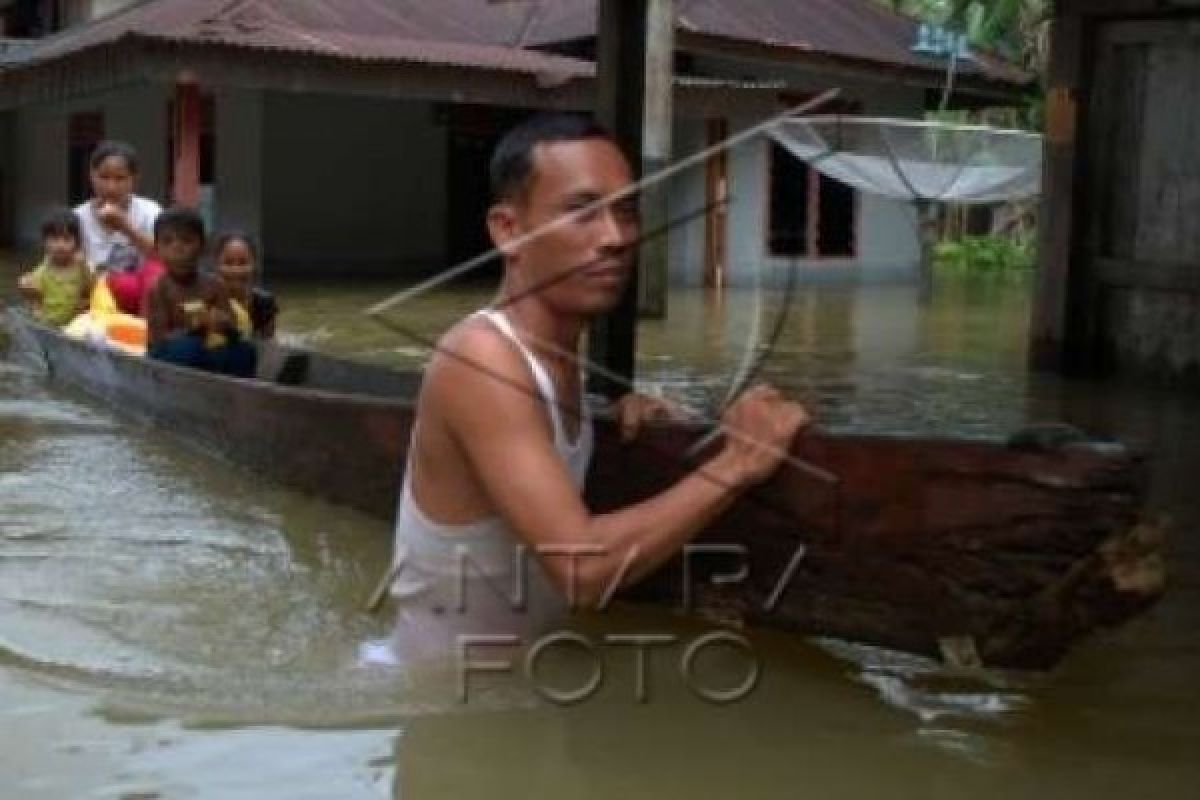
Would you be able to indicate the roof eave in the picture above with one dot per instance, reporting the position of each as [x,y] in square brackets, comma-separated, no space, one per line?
[854,67]
[135,57]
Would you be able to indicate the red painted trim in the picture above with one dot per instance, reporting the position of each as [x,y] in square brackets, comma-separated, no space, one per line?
[186,169]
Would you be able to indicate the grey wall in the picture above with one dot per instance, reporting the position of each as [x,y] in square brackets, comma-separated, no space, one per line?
[238,193]
[687,195]
[352,186]
[137,115]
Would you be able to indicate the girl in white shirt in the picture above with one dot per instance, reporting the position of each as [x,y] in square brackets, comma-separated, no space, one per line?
[118,225]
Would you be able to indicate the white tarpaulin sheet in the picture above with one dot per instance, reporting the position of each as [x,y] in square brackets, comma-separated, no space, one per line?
[918,160]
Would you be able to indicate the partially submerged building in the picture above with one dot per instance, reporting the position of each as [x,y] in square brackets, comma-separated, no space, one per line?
[352,136]
[1119,278]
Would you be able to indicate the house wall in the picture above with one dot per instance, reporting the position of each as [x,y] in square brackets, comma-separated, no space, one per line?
[238,193]
[687,194]
[39,146]
[887,242]
[352,185]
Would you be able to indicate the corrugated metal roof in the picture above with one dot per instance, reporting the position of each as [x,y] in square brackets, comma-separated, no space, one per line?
[367,30]
[489,34]
[857,29]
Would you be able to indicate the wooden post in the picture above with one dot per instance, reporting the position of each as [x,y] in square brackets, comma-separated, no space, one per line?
[927,227]
[716,187]
[185,180]
[657,130]
[620,104]
[1055,335]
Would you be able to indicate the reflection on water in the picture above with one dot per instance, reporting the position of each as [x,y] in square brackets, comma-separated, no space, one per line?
[171,628]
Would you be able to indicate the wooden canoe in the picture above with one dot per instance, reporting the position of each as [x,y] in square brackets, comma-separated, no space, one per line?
[989,553]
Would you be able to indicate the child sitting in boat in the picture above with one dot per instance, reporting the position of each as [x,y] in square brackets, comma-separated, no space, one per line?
[254,308]
[58,288]
[188,315]
[118,227]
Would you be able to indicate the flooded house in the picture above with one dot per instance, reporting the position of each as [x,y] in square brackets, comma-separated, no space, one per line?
[353,136]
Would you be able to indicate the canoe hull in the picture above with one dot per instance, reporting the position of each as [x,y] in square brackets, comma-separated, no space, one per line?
[971,551]
[345,448]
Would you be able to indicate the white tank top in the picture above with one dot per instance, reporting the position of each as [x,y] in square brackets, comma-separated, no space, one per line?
[430,556]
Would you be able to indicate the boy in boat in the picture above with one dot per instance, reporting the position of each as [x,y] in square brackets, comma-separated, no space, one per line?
[254,308]
[188,315]
[502,438]
[58,288]
[118,227]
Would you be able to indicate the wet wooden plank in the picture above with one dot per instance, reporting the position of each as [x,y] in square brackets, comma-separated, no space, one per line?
[1159,276]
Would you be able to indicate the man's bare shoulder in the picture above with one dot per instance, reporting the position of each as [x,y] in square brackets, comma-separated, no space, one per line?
[475,360]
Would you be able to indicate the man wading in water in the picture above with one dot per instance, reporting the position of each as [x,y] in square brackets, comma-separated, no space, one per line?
[503,435]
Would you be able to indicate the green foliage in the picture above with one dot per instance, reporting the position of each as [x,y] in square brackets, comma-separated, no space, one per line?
[986,254]
[1017,30]
[1013,28]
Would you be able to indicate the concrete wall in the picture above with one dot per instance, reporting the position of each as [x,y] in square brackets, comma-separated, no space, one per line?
[238,190]
[137,115]
[687,195]
[887,244]
[352,186]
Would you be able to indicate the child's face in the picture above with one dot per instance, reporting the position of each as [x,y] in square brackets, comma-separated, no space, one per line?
[112,180]
[179,251]
[61,248]
[235,265]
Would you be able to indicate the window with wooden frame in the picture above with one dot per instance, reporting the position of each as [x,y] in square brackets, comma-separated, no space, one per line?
[809,215]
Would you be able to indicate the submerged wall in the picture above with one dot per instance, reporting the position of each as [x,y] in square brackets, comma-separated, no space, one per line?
[352,186]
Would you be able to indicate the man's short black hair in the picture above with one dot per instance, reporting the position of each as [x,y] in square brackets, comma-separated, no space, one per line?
[512,161]
[62,222]
[111,148]
[185,220]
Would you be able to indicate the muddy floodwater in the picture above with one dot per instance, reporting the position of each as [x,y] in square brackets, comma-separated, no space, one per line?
[171,627]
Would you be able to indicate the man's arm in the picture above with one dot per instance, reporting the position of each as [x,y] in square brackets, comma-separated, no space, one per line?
[497,418]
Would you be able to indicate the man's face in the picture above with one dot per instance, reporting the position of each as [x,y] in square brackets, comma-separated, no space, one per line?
[179,251]
[582,264]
